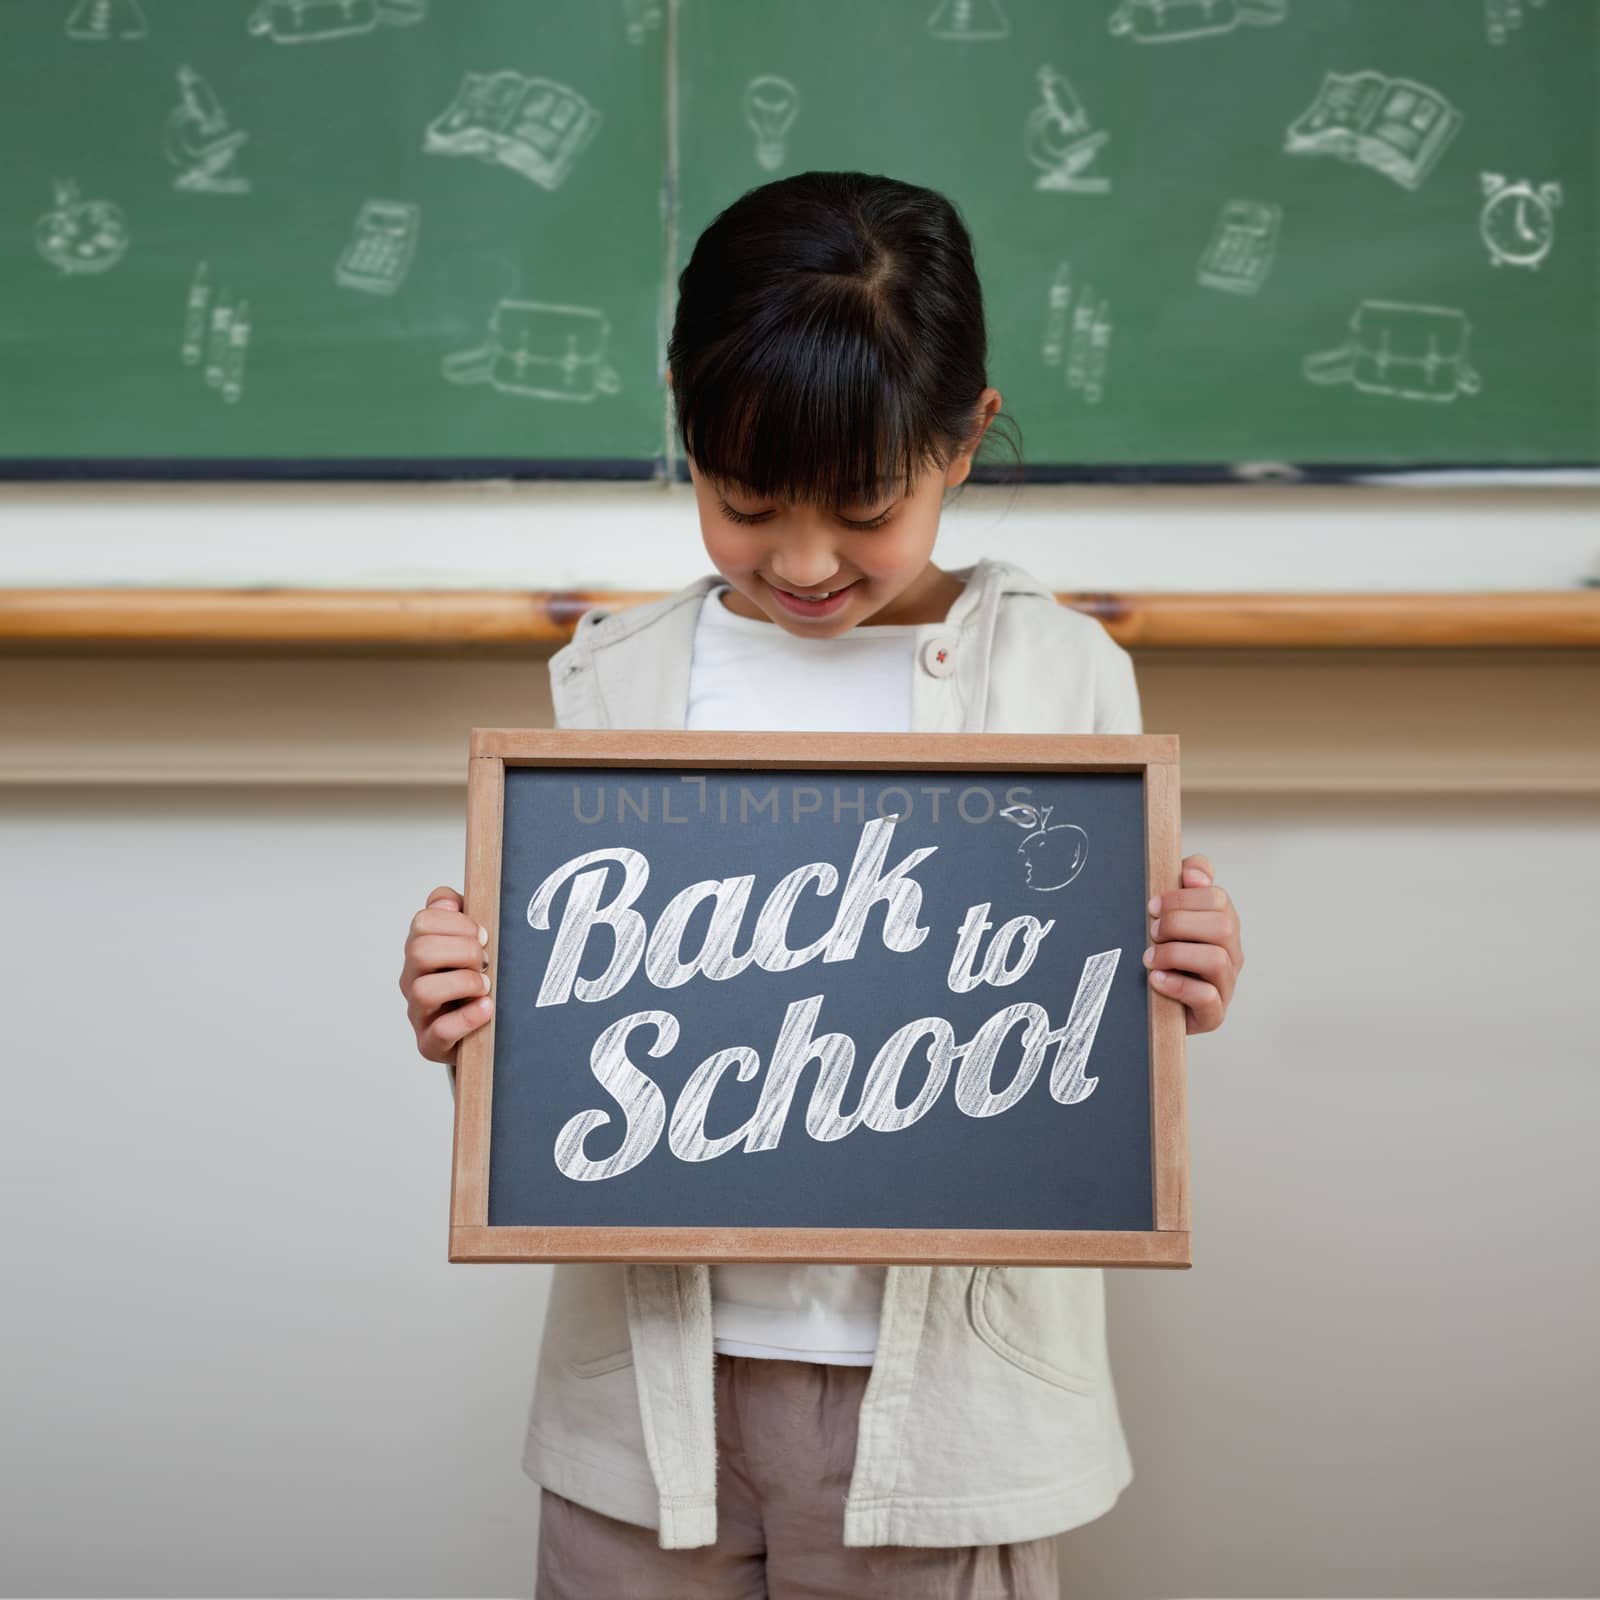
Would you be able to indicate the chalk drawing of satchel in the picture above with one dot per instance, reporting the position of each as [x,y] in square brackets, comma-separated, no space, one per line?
[312,21]
[545,352]
[1163,21]
[1410,352]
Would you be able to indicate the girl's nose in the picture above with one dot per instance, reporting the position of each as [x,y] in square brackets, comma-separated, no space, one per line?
[804,567]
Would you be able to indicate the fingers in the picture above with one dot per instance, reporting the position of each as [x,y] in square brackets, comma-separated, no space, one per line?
[434,990]
[1200,927]
[1208,898]
[1204,1006]
[444,975]
[1204,916]
[1207,961]
[443,919]
[433,952]
[1194,953]
[438,1041]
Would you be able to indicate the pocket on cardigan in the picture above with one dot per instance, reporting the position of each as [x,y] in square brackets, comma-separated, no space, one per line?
[594,1366]
[1018,1320]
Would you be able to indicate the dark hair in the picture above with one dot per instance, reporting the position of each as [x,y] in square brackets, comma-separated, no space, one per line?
[829,341]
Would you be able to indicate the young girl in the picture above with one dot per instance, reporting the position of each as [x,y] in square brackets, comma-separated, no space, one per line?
[794,1430]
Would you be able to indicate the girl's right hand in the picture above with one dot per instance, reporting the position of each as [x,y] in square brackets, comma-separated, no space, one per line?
[445,977]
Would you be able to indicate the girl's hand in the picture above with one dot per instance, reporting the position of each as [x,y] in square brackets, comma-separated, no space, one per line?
[445,977]
[1194,953]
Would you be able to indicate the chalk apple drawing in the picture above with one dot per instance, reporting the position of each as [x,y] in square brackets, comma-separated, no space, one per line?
[1053,856]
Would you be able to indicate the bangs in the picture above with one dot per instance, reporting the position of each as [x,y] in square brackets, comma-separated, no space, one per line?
[810,405]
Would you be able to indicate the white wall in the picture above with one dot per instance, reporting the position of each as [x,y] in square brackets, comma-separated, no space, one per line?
[236,1361]
[645,536]
[233,1357]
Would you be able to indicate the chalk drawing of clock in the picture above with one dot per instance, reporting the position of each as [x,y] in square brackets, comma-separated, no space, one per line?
[1518,223]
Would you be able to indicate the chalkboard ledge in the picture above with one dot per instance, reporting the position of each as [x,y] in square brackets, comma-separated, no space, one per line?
[536,622]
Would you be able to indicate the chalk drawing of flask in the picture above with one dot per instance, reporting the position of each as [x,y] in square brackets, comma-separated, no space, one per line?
[545,352]
[107,19]
[967,21]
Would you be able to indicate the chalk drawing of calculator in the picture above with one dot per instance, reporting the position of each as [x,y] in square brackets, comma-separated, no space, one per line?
[381,246]
[1240,253]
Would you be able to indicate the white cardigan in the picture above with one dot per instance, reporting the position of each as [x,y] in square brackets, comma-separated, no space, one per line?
[990,1415]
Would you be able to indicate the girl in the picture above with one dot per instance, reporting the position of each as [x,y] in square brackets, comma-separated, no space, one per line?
[794,1430]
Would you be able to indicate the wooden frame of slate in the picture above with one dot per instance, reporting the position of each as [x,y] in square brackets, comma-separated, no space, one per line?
[1094,1175]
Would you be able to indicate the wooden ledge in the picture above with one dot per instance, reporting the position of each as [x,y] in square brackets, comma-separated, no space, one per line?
[536,622]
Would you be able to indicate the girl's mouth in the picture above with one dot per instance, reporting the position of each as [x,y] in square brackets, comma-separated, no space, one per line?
[799,605]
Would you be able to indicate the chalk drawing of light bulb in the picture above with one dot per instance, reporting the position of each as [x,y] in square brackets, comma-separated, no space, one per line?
[770,106]
[1051,856]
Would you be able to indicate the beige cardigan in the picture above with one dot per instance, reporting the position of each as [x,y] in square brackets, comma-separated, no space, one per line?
[990,1414]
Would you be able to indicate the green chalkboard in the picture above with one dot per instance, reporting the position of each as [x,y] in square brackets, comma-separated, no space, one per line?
[397,237]
[1168,281]
[440,222]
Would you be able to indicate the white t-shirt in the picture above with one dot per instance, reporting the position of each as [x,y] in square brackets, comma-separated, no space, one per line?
[750,674]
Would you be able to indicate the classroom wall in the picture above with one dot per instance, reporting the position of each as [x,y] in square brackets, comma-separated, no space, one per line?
[643,535]
[234,1358]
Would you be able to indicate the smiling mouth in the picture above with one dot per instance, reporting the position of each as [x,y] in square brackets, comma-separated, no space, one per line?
[820,594]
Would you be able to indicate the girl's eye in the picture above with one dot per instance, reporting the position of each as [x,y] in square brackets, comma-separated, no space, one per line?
[749,518]
[746,517]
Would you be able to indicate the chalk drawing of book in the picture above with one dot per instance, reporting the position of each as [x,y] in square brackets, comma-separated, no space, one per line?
[1393,125]
[1059,140]
[1165,21]
[98,20]
[1407,351]
[81,237]
[532,125]
[546,352]
[313,21]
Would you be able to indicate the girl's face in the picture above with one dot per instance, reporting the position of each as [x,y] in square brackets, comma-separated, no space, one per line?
[875,561]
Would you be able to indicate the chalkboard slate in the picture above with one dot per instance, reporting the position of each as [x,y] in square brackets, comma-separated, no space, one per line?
[903,1003]
[414,238]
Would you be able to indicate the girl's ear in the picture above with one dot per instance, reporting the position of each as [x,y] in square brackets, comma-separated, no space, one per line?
[988,409]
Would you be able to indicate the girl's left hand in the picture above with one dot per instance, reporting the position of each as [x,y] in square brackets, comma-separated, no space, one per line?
[1194,953]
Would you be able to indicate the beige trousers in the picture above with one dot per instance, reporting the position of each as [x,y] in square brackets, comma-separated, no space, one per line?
[786,1443]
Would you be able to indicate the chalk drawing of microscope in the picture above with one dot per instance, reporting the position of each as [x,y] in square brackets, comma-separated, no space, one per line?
[199,142]
[1059,140]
